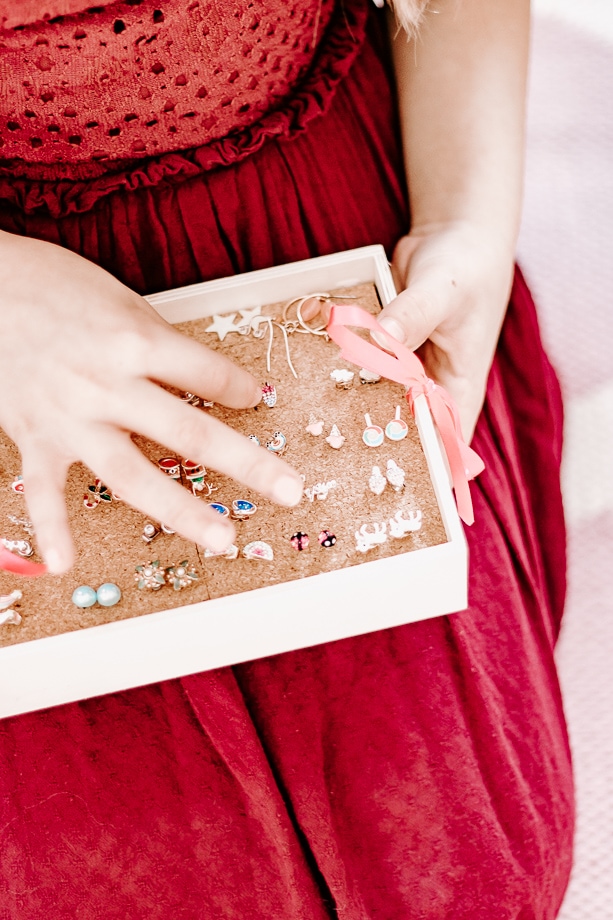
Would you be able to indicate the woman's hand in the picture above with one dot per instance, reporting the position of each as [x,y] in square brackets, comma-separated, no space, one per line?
[80,354]
[455,282]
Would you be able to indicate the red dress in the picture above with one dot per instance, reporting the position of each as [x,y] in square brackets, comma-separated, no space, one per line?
[418,772]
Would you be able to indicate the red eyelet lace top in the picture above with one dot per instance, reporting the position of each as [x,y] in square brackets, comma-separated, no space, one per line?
[134,79]
[131,92]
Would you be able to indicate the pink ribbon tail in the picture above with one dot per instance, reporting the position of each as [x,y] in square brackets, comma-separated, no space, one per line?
[404,367]
[9,562]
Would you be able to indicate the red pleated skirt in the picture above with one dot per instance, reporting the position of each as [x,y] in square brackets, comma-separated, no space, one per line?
[417,772]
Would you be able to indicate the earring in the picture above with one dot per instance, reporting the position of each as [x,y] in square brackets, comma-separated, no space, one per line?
[7,599]
[320,490]
[366,539]
[326,538]
[98,493]
[243,509]
[372,434]
[315,426]
[396,429]
[149,576]
[335,439]
[21,547]
[367,376]
[401,526]
[222,324]
[170,466]
[181,575]
[395,476]
[219,508]
[269,395]
[230,553]
[258,550]
[195,474]
[300,540]
[277,444]
[10,617]
[107,595]
[377,481]
[342,379]
[192,400]
[26,523]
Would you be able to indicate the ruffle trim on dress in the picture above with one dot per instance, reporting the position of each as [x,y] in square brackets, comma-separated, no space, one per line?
[59,197]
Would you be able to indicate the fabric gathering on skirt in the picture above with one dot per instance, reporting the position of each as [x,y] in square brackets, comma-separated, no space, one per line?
[418,772]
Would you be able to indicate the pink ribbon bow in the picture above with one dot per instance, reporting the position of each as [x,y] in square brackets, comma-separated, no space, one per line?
[404,367]
[9,562]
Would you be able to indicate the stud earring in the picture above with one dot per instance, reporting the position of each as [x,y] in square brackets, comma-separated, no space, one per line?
[243,509]
[230,553]
[219,508]
[300,540]
[335,439]
[107,595]
[195,473]
[395,476]
[222,324]
[180,576]
[326,538]
[192,400]
[258,549]
[98,493]
[342,379]
[372,434]
[7,599]
[400,526]
[26,523]
[377,481]
[149,577]
[396,429]
[366,539]
[367,376]
[10,617]
[315,426]
[21,547]
[277,444]
[269,395]
[170,466]
[320,490]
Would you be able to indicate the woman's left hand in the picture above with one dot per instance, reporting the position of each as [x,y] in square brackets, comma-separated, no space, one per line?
[455,282]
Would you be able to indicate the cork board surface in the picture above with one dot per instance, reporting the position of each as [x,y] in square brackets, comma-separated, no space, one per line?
[109,538]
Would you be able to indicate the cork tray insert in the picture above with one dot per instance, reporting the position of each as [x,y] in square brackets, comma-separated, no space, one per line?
[109,538]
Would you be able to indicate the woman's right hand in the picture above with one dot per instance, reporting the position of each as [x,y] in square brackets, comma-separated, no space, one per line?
[80,355]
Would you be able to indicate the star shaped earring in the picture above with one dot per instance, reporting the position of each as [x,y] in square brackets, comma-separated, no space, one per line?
[223,324]
[249,320]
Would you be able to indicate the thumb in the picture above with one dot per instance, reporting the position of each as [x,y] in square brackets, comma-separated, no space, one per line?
[414,314]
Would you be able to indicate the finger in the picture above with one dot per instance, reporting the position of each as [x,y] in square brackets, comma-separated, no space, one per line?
[426,299]
[183,362]
[121,466]
[415,313]
[162,417]
[44,480]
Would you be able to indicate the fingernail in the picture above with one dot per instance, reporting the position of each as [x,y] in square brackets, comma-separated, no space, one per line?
[393,327]
[256,398]
[218,537]
[287,490]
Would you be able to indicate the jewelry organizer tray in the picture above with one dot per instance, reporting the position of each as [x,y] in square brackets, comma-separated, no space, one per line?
[243,609]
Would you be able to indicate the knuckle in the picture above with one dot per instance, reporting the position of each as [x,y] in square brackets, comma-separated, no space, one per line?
[190,431]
